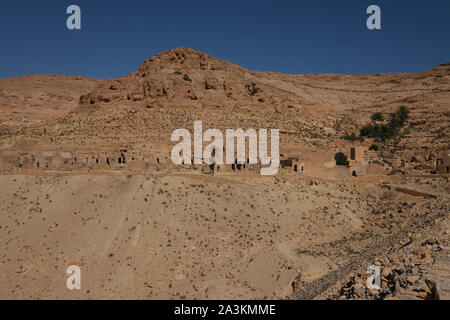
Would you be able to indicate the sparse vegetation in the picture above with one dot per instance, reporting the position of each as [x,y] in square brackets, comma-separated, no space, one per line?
[378,131]
[377,116]
[180,231]
[253,89]
[341,159]
[353,137]
[394,171]
[187,78]
[397,120]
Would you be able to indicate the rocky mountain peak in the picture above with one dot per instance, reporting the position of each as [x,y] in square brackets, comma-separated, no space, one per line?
[185,59]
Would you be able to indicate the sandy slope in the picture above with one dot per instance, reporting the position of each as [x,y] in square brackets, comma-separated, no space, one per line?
[184,236]
[165,234]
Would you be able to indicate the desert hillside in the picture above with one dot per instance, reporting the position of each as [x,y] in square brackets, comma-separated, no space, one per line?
[87,179]
[139,111]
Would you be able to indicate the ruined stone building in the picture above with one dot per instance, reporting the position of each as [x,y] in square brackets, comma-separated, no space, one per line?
[357,163]
[319,163]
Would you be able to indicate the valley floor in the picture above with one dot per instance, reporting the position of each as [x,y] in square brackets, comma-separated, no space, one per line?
[179,236]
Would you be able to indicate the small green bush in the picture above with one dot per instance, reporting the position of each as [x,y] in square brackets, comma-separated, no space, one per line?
[398,118]
[377,116]
[374,147]
[379,131]
[341,159]
[351,137]
[382,132]
[394,171]
[186,78]
[253,89]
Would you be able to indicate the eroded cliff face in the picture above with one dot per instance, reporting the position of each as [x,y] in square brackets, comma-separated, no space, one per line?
[181,77]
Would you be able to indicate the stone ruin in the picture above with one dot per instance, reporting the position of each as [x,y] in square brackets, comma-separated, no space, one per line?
[68,161]
[357,163]
[423,161]
[314,164]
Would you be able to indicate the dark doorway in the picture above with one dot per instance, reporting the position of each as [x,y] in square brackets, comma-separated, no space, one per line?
[354,173]
[122,158]
[295,168]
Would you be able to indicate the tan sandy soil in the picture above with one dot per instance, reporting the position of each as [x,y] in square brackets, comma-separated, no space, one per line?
[166,233]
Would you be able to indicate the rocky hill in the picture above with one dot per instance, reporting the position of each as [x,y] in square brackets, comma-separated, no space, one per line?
[153,231]
[178,86]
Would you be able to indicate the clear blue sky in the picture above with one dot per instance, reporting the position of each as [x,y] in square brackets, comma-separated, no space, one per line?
[290,36]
